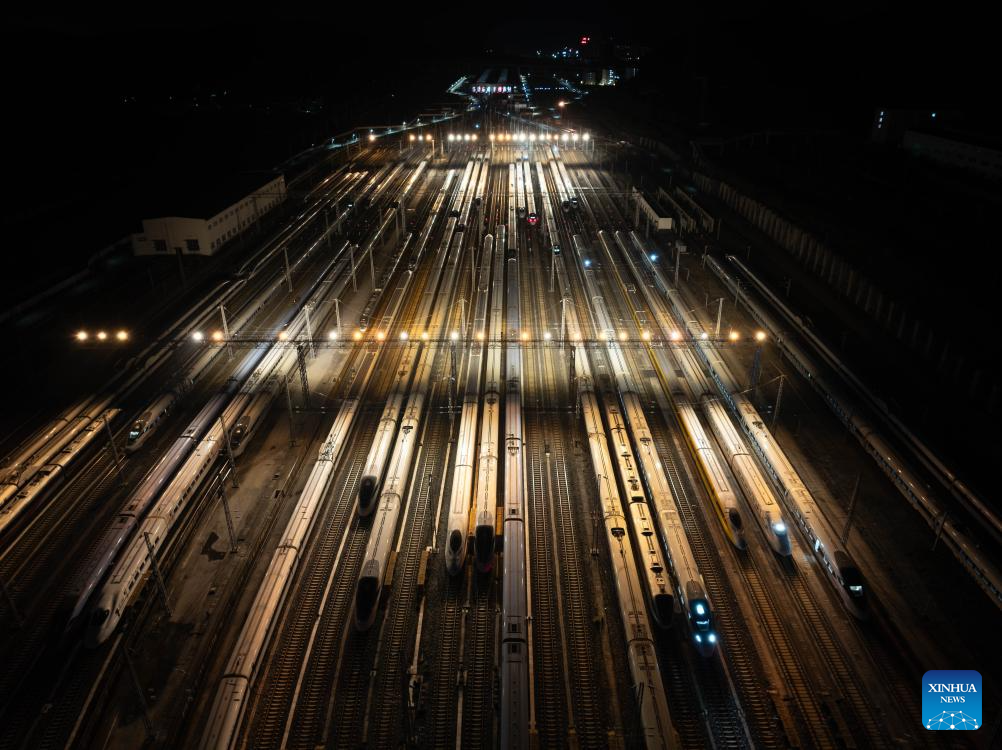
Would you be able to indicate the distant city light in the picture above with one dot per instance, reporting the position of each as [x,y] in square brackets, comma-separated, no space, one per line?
[733,335]
[198,336]
[380,335]
[760,335]
[357,335]
[646,335]
[217,335]
[675,336]
[81,335]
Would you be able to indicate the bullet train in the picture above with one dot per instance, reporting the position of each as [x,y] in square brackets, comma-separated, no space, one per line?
[398,471]
[462,489]
[514,658]
[486,491]
[145,495]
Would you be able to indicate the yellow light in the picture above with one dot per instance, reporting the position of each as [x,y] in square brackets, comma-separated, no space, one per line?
[760,335]
[372,137]
[404,335]
[603,335]
[646,335]
[561,104]
[547,336]
[411,138]
[733,335]
[525,335]
[380,335]
[122,335]
[675,336]
[101,335]
[424,335]
[357,335]
[282,335]
[454,335]
[217,335]
[704,336]
[473,137]
[81,335]
[198,335]
[622,336]
[480,335]
[491,137]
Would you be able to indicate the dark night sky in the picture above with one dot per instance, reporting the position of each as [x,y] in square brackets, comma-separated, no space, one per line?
[68,77]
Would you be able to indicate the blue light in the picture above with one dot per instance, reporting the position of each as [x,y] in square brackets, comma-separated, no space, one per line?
[653,257]
[700,610]
[779,527]
[587,263]
[699,638]
[934,115]
[713,637]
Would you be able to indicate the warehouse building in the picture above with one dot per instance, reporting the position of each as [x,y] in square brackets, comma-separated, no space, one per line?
[199,222]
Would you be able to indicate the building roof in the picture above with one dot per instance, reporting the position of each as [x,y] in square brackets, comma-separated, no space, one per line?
[205,196]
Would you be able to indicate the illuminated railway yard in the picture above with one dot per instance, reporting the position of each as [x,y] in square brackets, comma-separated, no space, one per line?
[476,461]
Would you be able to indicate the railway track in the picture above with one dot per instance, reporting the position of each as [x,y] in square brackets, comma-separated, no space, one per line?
[744,666]
[284,670]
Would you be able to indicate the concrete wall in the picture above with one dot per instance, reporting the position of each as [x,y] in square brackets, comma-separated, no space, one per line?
[894,317]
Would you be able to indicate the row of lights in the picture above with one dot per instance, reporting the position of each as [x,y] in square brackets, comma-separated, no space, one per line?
[101,335]
[533,137]
[217,336]
[421,137]
[462,137]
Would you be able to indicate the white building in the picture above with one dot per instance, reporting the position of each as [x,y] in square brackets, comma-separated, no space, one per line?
[207,221]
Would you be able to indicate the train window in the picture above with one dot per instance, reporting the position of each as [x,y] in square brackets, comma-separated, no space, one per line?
[514,648]
[513,627]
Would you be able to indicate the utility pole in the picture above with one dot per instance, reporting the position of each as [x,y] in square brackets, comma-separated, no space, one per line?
[288,271]
[563,321]
[156,573]
[337,316]
[851,511]
[309,330]
[779,400]
[114,448]
[720,313]
[351,251]
[229,450]
[229,517]
[226,330]
[288,402]
[301,356]
[372,264]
